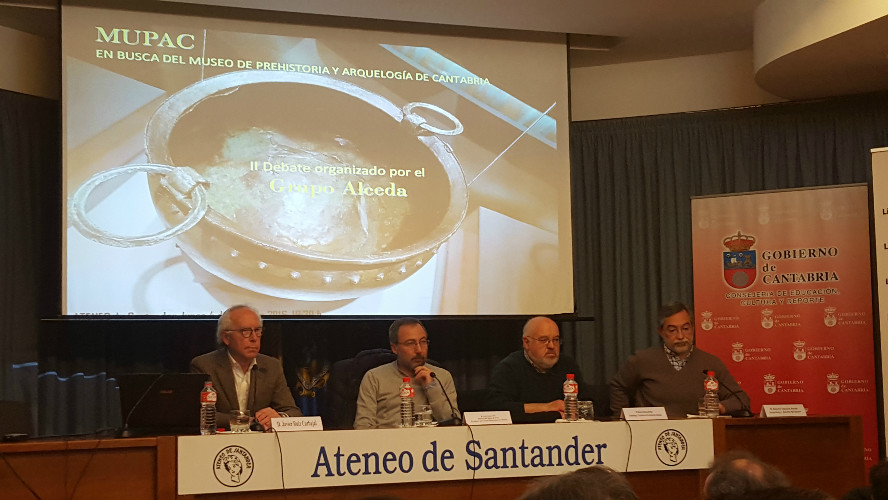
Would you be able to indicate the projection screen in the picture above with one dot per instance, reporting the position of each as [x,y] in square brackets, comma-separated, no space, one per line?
[310,170]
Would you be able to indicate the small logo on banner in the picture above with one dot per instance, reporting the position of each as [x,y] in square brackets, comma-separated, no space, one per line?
[672,447]
[739,260]
[706,324]
[767,320]
[798,350]
[737,352]
[832,383]
[829,318]
[233,466]
[770,383]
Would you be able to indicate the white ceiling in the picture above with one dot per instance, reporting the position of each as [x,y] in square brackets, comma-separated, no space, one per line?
[641,29]
[638,29]
[629,30]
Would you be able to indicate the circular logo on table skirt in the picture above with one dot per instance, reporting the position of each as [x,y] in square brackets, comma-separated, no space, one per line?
[233,466]
[672,447]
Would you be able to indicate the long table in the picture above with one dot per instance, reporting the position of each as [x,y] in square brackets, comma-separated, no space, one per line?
[822,452]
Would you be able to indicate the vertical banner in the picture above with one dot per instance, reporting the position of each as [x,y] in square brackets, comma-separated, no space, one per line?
[783,294]
[880,226]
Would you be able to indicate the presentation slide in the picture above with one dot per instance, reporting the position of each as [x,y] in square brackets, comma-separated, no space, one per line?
[310,170]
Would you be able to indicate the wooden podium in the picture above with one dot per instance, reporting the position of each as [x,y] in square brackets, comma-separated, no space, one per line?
[814,452]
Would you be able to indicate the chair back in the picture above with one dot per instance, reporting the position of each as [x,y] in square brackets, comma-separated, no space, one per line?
[345,380]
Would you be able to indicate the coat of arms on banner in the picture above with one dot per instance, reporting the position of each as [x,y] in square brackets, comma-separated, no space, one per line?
[832,383]
[829,318]
[770,383]
[798,350]
[767,320]
[706,324]
[737,352]
[739,260]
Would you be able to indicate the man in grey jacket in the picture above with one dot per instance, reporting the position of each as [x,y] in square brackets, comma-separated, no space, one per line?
[243,378]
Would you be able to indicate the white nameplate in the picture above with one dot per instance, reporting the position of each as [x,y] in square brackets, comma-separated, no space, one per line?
[487,417]
[796,410]
[288,424]
[646,413]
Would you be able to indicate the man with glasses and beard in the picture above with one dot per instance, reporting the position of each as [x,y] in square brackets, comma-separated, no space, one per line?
[528,383]
[243,378]
[379,400]
[671,375]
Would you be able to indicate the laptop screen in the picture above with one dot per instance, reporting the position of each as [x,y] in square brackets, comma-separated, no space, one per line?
[161,403]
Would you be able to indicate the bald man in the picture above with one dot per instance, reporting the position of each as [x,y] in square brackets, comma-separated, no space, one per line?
[528,382]
[738,474]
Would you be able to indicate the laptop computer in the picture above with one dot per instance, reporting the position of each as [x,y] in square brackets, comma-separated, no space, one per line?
[160,403]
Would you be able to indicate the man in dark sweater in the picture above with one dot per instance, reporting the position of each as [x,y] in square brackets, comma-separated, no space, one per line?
[671,375]
[528,383]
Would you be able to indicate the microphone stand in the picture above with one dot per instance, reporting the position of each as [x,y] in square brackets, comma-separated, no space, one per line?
[126,432]
[457,420]
[251,399]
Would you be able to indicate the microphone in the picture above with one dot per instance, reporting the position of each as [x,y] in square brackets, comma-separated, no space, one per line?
[251,400]
[744,411]
[126,432]
[455,419]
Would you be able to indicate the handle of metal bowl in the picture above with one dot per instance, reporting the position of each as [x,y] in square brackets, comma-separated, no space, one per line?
[420,122]
[182,182]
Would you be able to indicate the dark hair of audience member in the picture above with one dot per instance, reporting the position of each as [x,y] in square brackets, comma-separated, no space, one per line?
[591,483]
[783,493]
[878,478]
[737,473]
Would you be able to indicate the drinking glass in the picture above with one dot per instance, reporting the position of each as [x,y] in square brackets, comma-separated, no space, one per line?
[585,410]
[240,420]
[423,416]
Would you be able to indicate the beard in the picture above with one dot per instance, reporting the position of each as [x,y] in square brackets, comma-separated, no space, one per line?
[545,362]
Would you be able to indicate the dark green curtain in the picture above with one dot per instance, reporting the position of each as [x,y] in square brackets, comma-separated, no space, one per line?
[633,180]
[29,182]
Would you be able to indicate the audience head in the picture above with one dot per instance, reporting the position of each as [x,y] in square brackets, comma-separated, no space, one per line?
[878,478]
[675,324]
[410,342]
[783,493]
[737,473]
[240,330]
[591,483]
[542,342]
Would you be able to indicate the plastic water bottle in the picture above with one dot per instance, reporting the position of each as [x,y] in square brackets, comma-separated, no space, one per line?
[208,409]
[406,403]
[710,394]
[570,398]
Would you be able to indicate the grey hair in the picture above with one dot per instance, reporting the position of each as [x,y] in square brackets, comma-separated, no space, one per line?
[670,309]
[225,320]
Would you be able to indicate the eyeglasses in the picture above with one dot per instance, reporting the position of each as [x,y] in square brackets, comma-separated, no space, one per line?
[546,340]
[413,343]
[686,328]
[246,332]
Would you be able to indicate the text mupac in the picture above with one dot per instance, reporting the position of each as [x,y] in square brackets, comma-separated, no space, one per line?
[144,37]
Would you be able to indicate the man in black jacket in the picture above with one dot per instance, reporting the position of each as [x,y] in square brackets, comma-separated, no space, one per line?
[528,383]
